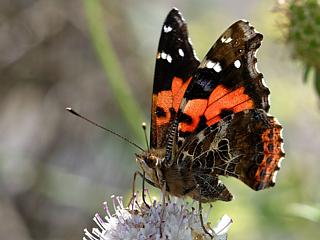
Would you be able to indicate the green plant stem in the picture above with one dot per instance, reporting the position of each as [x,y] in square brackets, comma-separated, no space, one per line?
[112,67]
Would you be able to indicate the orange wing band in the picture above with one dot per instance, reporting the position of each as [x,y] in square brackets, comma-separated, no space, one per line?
[219,100]
[171,99]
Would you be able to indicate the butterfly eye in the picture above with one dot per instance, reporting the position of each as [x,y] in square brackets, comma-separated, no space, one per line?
[151,161]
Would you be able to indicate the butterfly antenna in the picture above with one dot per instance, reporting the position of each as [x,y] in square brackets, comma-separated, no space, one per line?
[144,127]
[106,129]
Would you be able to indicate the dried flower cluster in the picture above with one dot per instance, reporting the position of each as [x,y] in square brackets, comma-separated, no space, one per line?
[176,221]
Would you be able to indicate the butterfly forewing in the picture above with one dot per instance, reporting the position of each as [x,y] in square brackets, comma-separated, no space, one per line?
[226,81]
[175,63]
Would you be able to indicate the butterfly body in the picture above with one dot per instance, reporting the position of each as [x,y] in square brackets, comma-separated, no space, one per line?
[210,119]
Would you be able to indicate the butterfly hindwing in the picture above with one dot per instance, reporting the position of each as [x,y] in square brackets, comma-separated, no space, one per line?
[175,63]
[256,141]
[246,145]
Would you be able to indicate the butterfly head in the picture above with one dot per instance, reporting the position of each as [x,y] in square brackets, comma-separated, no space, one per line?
[151,164]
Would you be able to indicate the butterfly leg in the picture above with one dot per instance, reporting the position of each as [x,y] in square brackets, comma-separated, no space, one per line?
[201,217]
[133,187]
[144,179]
[143,190]
[201,221]
[163,207]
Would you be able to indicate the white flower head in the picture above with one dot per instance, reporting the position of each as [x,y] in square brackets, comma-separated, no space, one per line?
[177,220]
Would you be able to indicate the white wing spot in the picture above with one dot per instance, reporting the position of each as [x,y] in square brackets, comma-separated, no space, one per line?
[194,52]
[277,122]
[281,147]
[274,177]
[237,63]
[167,29]
[279,163]
[163,55]
[181,53]
[169,58]
[210,64]
[229,39]
[215,65]
[226,40]
[263,82]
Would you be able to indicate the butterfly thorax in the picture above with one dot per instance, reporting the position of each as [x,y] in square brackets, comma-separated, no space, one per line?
[179,182]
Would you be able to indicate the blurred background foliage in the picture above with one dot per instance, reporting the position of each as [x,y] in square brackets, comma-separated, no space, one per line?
[55,171]
[302,31]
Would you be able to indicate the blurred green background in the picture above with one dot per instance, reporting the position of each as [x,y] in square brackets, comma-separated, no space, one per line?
[55,170]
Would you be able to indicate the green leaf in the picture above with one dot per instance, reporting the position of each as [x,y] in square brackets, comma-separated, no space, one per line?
[317,82]
[306,73]
[112,67]
[305,211]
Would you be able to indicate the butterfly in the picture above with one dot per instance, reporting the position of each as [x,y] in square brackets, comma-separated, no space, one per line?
[210,118]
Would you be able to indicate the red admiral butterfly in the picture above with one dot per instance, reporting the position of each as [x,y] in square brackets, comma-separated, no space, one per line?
[210,119]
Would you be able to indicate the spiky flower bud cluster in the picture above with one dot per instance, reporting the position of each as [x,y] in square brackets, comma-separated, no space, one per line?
[303,33]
